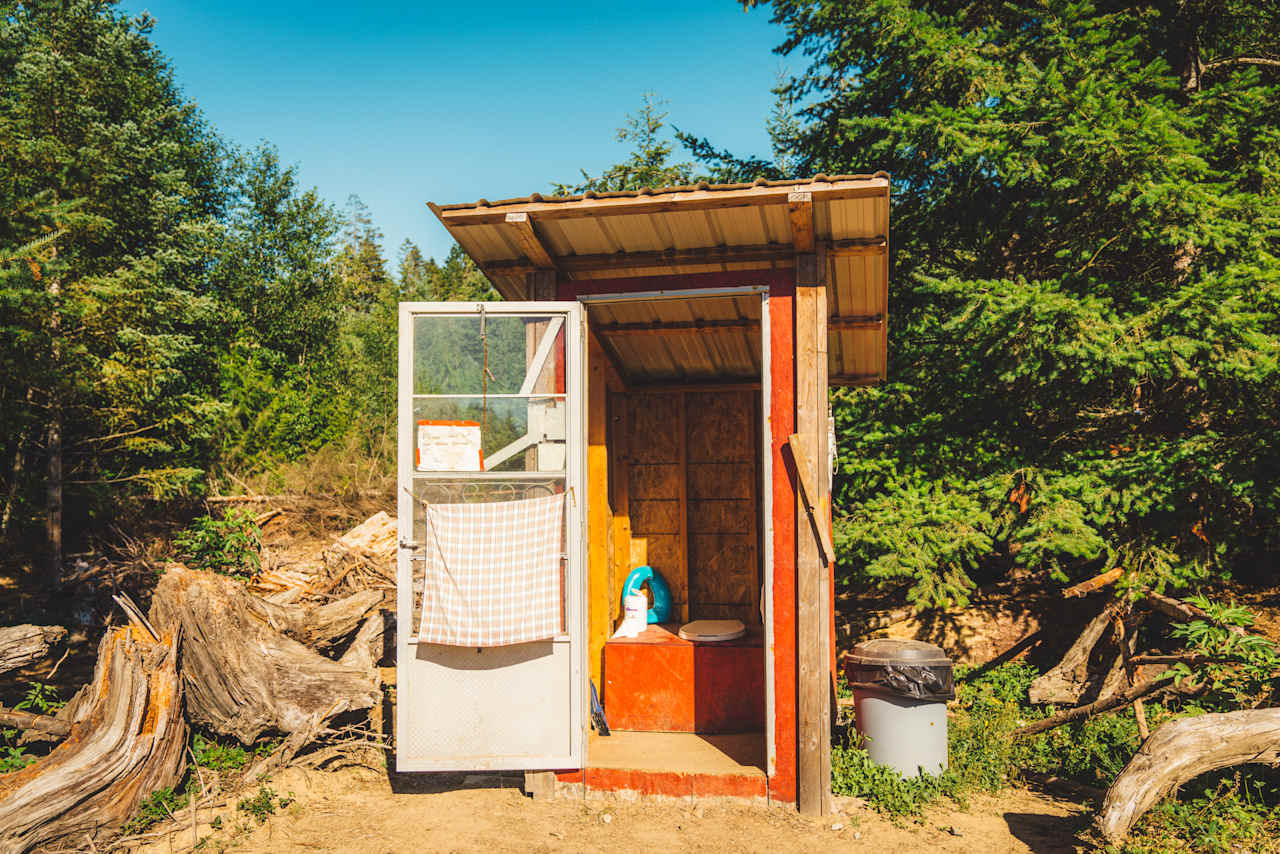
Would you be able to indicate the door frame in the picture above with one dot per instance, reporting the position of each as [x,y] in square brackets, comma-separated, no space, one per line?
[765,484]
[575,589]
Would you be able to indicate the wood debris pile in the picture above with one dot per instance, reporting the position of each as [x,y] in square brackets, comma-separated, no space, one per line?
[362,559]
[212,654]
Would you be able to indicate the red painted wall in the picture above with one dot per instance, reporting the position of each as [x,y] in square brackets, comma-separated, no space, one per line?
[782,784]
[659,682]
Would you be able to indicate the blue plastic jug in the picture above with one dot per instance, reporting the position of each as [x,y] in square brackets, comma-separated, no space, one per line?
[661,610]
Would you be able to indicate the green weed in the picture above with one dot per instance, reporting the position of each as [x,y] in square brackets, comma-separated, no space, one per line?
[14,759]
[156,807]
[40,698]
[229,545]
[264,804]
[216,756]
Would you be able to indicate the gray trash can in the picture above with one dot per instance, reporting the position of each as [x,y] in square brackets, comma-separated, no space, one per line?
[900,694]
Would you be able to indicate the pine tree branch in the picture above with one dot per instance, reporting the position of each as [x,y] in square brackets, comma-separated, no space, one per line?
[1264,61]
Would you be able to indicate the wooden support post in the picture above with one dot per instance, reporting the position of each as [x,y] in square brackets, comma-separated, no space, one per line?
[598,521]
[813,608]
[541,285]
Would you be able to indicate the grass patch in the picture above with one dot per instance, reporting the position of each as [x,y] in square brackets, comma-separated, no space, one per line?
[1224,812]
[1237,810]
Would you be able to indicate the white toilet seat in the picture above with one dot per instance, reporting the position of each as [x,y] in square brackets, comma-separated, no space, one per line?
[710,631]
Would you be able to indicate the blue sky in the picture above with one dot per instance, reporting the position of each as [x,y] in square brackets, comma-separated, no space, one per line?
[403,103]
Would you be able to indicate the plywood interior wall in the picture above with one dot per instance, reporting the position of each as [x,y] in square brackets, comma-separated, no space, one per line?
[673,483]
[722,488]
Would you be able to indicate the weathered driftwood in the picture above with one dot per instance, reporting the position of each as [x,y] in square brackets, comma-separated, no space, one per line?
[1069,679]
[23,645]
[243,675]
[1181,750]
[128,743]
[320,627]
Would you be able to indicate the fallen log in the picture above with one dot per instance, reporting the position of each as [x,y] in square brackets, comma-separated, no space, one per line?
[1097,707]
[128,743]
[26,720]
[1067,681]
[1181,750]
[23,645]
[1098,582]
[244,675]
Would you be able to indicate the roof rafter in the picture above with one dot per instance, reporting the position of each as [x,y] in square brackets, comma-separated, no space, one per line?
[522,229]
[800,210]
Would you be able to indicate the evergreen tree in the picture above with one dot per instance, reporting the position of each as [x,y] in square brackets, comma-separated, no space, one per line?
[274,274]
[649,163]
[1085,299]
[104,391]
[414,275]
[460,279]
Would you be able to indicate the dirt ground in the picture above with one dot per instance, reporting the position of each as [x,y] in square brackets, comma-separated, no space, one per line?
[361,810]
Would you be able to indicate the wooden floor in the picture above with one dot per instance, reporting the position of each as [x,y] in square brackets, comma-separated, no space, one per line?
[739,754]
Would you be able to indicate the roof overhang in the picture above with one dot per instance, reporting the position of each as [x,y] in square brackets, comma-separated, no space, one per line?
[707,228]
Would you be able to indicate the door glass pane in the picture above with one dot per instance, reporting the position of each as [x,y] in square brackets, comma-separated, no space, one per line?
[452,352]
[474,434]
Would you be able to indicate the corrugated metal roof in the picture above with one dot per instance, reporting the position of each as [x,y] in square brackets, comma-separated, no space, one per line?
[703,228]
[661,191]
[681,340]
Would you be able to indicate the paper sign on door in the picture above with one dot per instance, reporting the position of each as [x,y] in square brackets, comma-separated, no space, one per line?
[449,446]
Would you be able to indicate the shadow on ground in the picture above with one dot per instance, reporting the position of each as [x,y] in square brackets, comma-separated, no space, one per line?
[1047,834]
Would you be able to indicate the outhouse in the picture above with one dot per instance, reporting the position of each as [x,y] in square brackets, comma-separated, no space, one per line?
[652,392]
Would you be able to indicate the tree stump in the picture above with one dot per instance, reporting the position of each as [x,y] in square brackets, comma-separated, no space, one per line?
[244,671]
[127,742]
[23,645]
[1182,750]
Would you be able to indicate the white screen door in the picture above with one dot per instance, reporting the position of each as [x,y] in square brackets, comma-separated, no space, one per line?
[491,410]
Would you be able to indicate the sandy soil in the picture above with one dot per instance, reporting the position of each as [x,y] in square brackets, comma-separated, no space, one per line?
[361,810]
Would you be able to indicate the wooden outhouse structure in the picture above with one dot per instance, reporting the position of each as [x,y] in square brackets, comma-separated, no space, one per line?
[661,360]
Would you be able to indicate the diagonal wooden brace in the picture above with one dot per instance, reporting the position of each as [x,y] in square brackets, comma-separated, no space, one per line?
[808,491]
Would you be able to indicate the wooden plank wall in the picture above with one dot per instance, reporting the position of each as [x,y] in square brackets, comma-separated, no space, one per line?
[723,438]
[656,490]
[690,475]
[673,483]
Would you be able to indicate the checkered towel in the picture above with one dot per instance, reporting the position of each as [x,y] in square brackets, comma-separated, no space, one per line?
[492,572]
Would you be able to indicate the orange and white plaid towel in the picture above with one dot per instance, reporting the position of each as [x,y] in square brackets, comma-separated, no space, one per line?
[492,572]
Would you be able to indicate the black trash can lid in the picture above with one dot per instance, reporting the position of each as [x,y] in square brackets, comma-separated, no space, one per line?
[882,651]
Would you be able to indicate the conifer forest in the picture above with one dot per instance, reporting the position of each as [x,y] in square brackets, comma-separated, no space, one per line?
[1082,395]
